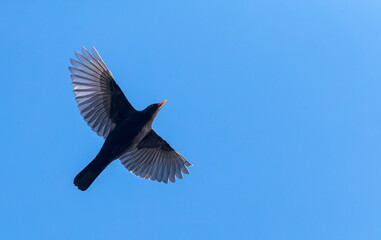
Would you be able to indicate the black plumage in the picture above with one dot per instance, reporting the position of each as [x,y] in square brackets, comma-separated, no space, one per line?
[128,132]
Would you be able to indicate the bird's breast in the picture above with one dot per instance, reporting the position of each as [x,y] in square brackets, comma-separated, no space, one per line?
[125,137]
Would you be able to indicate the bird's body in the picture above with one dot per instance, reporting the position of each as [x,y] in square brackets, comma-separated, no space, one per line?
[124,137]
[129,134]
[121,139]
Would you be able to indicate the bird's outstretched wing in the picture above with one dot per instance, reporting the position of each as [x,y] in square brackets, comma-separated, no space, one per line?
[100,100]
[153,158]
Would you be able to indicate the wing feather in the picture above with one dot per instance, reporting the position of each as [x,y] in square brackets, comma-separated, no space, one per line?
[101,102]
[153,158]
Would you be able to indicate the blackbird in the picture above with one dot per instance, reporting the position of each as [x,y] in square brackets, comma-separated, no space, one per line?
[128,132]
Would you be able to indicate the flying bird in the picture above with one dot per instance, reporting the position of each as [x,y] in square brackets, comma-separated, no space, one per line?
[128,132]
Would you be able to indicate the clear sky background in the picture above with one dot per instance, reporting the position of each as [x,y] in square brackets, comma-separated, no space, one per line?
[276,103]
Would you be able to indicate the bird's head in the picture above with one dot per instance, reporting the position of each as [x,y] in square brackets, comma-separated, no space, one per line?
[153,109]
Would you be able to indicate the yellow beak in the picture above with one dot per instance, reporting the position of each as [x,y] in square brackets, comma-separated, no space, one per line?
[162,103]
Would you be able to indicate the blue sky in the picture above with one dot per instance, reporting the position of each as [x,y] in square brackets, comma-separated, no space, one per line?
[276,103]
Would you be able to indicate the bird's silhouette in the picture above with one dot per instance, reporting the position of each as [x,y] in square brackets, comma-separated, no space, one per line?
[128,133]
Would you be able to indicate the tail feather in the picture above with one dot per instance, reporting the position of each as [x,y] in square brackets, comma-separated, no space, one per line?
[87,176]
